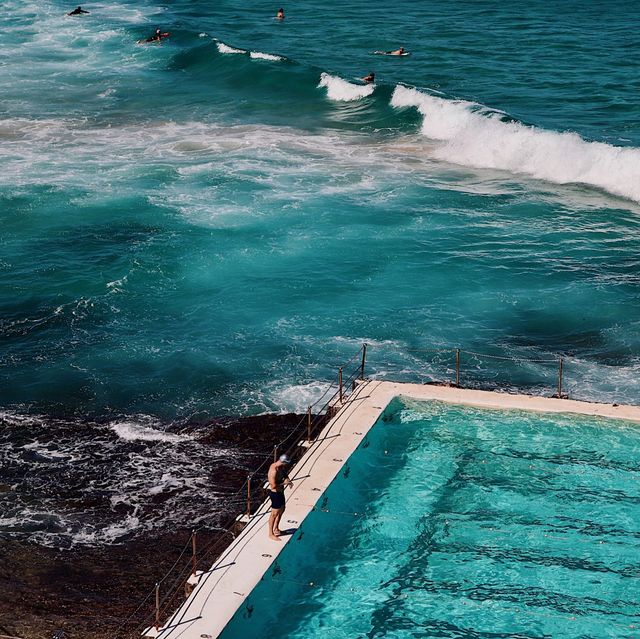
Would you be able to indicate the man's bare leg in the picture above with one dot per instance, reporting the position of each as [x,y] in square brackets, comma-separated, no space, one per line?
[272,523]
[276,523]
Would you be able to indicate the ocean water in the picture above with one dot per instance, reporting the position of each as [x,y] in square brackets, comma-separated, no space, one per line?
[215,223]
[461,522]
[212,225]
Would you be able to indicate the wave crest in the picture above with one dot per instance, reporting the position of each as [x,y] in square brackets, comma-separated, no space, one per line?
[476,137]
[257,55]
[225,48]
[342,91]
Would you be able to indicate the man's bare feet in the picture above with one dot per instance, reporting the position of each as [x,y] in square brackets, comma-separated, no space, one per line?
[272,536]
[277,532]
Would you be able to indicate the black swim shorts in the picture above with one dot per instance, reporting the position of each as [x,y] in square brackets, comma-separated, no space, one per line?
[277,499]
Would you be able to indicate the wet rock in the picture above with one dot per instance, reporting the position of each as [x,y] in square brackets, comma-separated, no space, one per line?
[89,592]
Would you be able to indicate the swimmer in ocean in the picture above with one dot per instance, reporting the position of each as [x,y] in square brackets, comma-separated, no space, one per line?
[156,37]
[399,51]
[368,79]
[77,11]
[280,14]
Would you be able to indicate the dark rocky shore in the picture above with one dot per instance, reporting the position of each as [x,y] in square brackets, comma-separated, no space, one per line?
[89,592]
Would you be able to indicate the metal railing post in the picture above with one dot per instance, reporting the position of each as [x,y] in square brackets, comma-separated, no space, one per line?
[275,453]
[157,606]
[560,377]
[248,496]
[309,424]
[457,367]
[364,357]
[194,561]
[340,378]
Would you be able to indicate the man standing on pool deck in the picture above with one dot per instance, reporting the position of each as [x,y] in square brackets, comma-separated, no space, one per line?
[278,479]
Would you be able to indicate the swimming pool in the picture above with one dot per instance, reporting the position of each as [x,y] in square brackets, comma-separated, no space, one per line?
[451,521]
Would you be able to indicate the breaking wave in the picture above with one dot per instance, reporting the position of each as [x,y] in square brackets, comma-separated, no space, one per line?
[225,48]
[474,136]
[342,91]
[256,55]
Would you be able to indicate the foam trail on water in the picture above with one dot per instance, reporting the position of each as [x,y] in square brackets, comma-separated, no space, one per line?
[131,431]
[474,136]
[342,91]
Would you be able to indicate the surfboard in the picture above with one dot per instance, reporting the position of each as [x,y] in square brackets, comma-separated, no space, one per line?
[153,39]
[393,55]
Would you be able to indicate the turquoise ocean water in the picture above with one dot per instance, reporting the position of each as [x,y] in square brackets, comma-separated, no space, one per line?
[213,224]
[465,523]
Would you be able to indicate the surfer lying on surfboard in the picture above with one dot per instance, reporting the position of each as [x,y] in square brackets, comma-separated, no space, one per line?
[156,37]
[399,51]
[78,11]
[368,79]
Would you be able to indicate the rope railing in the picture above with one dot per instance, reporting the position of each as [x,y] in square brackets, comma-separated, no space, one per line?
[457,357]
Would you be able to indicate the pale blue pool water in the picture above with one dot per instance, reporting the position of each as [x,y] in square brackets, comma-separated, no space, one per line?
[459,522]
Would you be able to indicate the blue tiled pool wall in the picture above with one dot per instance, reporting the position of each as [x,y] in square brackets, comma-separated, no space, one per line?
[337,515]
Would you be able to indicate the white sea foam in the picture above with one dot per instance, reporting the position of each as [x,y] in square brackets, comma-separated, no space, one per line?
[265,56]
[106,93]
[143,483]
[225,48]
[296,399]
[46,450]
[18,419]
[342,91]
[293,165]
[168,483]
[116,286]
[472,136]
[99,536]
[131,431]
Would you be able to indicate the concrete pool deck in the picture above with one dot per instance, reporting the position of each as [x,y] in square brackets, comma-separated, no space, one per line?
[222,589]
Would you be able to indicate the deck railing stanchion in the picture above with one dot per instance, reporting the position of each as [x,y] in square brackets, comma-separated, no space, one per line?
[157,606]
[194,560]
[275,453]
[340,378]
[364,357]
[457,367]
[560,377]
[309,424]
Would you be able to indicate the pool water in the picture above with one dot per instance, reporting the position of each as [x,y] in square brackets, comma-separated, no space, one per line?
[453,521]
